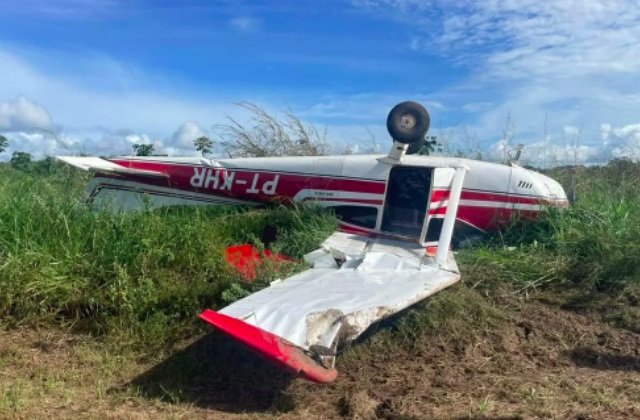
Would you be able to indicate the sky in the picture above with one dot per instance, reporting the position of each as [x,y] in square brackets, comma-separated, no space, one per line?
[561,77]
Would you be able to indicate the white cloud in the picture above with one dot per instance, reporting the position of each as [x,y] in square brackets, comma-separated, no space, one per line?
[575,63]
[621,141]
[38,144]
[245,23]
[187,133]
[133,99]
[21,114]
[568,148]
[97,141]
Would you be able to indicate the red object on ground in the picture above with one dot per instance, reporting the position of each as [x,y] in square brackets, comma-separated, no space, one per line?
[247,259]
[271,346]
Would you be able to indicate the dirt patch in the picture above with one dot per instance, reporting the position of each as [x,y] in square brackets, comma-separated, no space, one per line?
[539,361]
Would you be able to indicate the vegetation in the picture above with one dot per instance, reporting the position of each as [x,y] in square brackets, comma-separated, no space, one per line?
[128,287]
[62,263]
[143,149]
[144,274]
[591,244]
[21,161]
[4,143]
[203,145]
[266,134]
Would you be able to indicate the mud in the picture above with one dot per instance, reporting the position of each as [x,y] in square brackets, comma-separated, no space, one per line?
[539,361]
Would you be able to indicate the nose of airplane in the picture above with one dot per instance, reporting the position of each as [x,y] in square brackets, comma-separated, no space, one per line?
[548,188]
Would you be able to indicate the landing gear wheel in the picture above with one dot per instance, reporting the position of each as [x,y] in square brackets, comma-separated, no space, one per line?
[408,122]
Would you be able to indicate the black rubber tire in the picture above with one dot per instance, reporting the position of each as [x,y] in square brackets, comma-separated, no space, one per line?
[408,122]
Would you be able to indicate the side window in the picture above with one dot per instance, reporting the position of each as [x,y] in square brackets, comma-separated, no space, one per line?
[358,215]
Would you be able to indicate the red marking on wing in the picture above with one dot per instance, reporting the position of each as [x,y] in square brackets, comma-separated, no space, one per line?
[271,346]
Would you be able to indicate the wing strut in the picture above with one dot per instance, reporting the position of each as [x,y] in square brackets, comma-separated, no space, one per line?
[444,241]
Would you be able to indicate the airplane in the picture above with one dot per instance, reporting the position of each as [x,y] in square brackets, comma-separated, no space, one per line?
[399,215]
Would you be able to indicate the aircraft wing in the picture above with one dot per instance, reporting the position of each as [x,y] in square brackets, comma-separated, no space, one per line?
[354,282]
[96,164]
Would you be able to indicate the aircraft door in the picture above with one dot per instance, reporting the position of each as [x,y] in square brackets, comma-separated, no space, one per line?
[406,201]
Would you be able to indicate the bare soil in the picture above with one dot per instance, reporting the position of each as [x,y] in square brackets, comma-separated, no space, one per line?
[538,361]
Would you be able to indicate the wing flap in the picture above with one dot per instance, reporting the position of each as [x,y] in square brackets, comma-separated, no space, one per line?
[96,164]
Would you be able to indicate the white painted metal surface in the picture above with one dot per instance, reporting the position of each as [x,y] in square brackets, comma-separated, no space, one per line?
[450,217]
[355,281]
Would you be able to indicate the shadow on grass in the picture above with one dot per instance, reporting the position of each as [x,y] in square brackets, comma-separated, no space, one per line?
[217,373]
[588,357]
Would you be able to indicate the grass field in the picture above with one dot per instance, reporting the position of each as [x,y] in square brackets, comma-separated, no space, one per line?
[98,313]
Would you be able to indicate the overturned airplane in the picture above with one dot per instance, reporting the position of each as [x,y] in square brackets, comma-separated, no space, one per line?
[399,215]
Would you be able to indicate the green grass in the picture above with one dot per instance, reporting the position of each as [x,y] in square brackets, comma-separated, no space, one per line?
[143,275]
[585,258]
[593,244]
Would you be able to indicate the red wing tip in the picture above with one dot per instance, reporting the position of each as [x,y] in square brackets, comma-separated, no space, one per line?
[271,346]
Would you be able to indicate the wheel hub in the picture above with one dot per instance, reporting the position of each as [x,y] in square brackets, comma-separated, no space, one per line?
[407,122]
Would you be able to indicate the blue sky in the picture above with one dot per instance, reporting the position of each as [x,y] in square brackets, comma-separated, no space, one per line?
[561,77]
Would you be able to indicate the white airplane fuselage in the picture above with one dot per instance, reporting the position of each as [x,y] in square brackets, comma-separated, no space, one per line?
[371,195]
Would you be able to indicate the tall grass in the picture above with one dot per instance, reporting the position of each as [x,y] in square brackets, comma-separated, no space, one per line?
[593,244]
[145,274]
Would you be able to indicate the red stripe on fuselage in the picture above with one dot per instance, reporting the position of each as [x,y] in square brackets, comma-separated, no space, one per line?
[249,185]
[289,185]
[441,195]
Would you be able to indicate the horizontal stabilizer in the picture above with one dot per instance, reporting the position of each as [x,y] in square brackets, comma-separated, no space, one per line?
[96,164]
[271,346]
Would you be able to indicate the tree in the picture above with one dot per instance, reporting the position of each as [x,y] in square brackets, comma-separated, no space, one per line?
[203,145]
[3,143]
[142,149]
[429,146]
[21,161]
[44,166]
